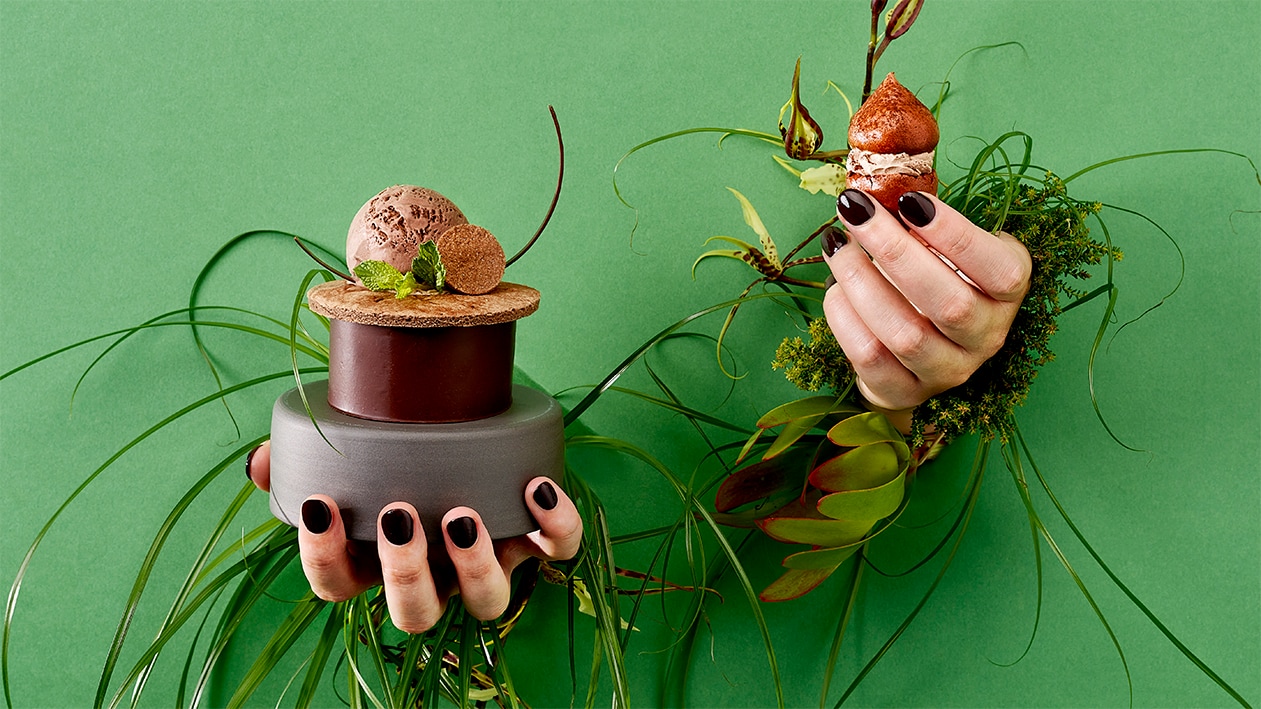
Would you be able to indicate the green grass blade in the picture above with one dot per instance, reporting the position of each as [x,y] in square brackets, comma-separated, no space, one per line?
[319,657]
[1015,463]
[851,601]
[1173,639]
[188,658]
[1157,153]
[16,587]
[146,567]
[969,507]
[288,633]
[639,352]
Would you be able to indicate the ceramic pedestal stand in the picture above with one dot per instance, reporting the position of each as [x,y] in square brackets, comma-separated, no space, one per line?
[419,407]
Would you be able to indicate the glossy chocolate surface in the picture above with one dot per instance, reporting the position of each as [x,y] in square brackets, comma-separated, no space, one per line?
[420,375]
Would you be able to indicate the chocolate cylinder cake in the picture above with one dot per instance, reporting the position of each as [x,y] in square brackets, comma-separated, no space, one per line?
[419,405]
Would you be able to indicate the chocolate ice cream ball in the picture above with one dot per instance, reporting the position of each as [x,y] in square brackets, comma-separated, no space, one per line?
[391,226]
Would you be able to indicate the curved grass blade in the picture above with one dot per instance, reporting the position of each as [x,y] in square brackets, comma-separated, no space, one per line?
[188,659]
[690,500]
[151,321]
[969,507]
[586,402]
[1182,267]
[1173,639]
[146,567]
[1015,463]
[724,132]
[16,588]
[319,657]
[293,354]
[177,323]
[851,601]
[1157,153]
[288,633]
[1035,523]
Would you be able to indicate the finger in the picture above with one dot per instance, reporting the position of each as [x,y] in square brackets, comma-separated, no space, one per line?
[956,308]
[998,264]
[326,559]
[258,466]
[886,313]
[410,593]
[483,583]
[560,527]
[882,379]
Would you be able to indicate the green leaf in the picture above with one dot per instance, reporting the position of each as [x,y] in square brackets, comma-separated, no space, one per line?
[862,468]
[378,275]
[821,559]
[816,532]
[828,178]
[725,253]
[755,222]
[427,266]
[406,286]
[871,504]
[862,429]
[795,583]
[809,406]
[763,479]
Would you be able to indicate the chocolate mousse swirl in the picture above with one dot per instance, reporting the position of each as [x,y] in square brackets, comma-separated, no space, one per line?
[892,138]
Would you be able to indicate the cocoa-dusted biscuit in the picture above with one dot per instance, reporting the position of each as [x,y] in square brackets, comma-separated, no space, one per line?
[356,304]
[472,257]
[892,139]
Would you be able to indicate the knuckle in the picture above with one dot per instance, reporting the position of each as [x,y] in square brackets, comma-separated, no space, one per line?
[890,252]
[958,310]
[320,566]
[490,610]
[910,341]
[402,577]
[479,571]
[866,355]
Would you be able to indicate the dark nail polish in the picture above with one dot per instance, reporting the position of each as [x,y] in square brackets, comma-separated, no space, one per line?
[545,496]
[855,207]
[833,239]
[916,208]
[397,527]
[316,516]
[463,531]
[249,459]
[829,281]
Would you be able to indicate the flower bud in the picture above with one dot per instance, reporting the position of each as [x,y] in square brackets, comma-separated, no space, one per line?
[802,135]
[901,18]
[877,6]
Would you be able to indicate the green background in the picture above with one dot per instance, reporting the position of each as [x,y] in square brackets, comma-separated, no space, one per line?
[137,137]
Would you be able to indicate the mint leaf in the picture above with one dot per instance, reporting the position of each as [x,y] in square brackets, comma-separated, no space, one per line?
[405,286]
[378,275]
[427,266]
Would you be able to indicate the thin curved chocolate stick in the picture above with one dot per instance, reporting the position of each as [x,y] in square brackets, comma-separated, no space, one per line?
[317,259]
[560,178]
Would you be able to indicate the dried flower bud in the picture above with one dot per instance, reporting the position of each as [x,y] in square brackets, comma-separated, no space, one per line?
[902,17]
[802,136]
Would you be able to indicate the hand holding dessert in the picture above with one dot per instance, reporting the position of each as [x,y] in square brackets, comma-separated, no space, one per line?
[911,324]
[419,577]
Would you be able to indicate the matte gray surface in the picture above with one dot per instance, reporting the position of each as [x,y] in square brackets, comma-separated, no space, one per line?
[483,464]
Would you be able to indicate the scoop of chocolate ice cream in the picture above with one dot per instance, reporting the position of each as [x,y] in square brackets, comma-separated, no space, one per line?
[892,120]
[391,226]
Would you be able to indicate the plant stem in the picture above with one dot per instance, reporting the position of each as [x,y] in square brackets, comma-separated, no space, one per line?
[871,54]
[813,235]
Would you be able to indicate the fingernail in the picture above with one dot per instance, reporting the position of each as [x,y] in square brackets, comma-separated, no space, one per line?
[545,496]
[829,281]
[316,516]
[916,208]
[463,531]
[396,525]
[249,460]
[833,239]
[855,207]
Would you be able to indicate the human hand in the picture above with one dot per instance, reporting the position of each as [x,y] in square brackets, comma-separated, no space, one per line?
[911,326]
[419,578]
